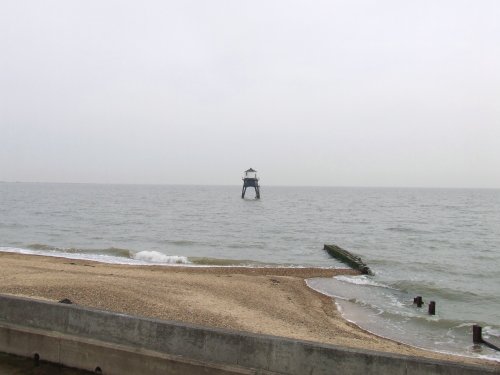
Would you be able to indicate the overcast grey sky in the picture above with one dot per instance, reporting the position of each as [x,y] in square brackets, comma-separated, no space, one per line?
[356,93]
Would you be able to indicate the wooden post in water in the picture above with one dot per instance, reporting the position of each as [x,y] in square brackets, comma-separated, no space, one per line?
[418,301]
[477,334]
[432,308]
[477,337]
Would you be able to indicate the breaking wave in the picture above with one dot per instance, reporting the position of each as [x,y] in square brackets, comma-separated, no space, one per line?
[107,255]
[157,257]
[360,280]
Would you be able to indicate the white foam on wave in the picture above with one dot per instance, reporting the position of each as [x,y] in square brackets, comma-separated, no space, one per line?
[142,258]
[81,256]
[359,280]
[490,331]
[16,250]
[157,257]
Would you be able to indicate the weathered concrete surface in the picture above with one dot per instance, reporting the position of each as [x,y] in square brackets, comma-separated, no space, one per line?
[88,354]
[120,344]
[11,364]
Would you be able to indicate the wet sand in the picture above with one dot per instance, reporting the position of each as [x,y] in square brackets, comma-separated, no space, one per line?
[273,301]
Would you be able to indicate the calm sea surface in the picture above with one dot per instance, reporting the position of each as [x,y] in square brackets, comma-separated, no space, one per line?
[443,244]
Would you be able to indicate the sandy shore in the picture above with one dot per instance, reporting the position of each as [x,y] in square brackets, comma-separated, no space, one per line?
[273,301]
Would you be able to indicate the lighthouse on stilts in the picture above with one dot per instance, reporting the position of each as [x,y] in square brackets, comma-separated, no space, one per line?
[251,180]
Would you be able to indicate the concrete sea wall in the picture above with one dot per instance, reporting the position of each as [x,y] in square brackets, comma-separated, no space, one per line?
[112,343]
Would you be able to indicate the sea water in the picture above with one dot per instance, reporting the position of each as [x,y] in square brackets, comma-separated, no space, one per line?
[442,244]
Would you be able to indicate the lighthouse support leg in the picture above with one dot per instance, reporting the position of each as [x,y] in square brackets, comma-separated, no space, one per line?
[243,191]
[257,192]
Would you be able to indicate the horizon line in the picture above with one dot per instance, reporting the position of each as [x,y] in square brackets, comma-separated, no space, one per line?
[269,185]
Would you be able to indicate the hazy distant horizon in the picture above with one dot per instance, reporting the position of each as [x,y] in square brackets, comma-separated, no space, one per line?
[263,186]
[338,93]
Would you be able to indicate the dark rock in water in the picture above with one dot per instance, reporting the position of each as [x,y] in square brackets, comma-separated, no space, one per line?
[350,259]
[67,301]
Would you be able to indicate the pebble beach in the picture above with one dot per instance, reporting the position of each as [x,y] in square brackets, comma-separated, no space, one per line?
[274,301]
